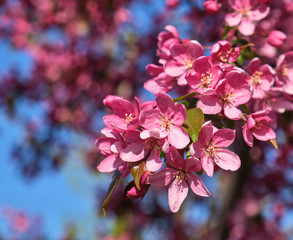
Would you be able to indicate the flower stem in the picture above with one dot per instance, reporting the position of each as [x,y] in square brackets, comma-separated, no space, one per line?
[183,97]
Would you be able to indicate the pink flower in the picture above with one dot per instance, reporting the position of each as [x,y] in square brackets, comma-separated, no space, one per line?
[211,7]
[261,78]
[179,176]
[161,82]
[172,3]
[277,38]
[206,76]
[182,60]
[165,40]
[137,149]
[257,126]
[125,116]
[223,53]
[165,122]
[244,15]
[132,192]
[110,146]
[231,92]
[210,149]
[285,72]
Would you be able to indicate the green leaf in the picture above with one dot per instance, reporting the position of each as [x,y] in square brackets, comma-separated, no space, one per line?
[112,186]
[193,123]
[137,171]
[240,59]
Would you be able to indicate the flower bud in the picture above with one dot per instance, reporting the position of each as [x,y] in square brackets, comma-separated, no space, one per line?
[211,7]
[276,38]
[172,3]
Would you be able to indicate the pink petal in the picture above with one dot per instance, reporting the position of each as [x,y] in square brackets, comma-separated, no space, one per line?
[224,137]
[259,13]
[202,64]
[109,164]
[192,164]
[246,26]
[115,122]
[205,135]
[207,164]
[165,104]
[196,149]
[232,112]
[233,19]
[254,65]
[133,152]
[154,161]
[132,136]
[174,158]
[210,104]
[178,137]
[121,107]
[174,69]
[154,70]
[227,159]
[194,49]
[181,81]
[104,144]
[248,138]
[178,50]
[179,116]
[193,80]
[263,133]
[161,178]
[149,117]
[177,192]
[197,185]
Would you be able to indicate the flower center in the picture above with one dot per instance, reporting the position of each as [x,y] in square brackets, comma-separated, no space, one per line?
[181,176]
[258,125]
[206,79]
[256,77]
[165,123]
[211,149]
[227,97]
[188,63]
[150,143]
[223,56]
[284,69]
[128,117]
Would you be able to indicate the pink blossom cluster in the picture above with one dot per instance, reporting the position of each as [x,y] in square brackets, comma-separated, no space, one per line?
[155,133]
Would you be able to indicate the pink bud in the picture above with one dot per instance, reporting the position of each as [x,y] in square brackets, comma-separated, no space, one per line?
[172,3]
[211,7]
[276,38]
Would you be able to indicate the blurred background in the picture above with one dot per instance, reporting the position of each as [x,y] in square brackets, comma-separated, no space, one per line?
[58,61]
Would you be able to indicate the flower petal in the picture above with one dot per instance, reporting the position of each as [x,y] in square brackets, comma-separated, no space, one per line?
[154,161]
[224,137]
[165,104]
[227,159]
[207,164]
[263,133]
[178,137]
[110,163]
[248,138]
[161,178]
[197,185]
[177,192]
[179,116]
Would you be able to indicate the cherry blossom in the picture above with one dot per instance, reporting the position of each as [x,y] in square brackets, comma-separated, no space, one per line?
[257,125]
[210,148]
[165,121]
[179,176]
[261,78]
[245,14]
